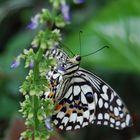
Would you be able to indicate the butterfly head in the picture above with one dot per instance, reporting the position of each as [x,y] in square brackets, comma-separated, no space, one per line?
[75,60]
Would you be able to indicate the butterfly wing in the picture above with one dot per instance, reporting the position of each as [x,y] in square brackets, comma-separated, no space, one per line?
[77,106]
[110,109]
[85,98]
[57,53]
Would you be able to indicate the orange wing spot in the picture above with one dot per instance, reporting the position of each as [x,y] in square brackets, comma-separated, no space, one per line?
[58,107]
[77,102]
[50,85]
[69,111]
[53,84]
[51,95]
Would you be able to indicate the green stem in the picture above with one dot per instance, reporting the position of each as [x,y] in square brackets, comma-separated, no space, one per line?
[36,80]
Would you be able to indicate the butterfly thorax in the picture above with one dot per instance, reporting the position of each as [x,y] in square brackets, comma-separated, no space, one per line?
[72,66]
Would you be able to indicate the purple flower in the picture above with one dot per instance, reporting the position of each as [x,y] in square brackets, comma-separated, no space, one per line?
[48,123]
[31,65]
[34,46]
[78,1]
[61,68]
[34,22]
[15,64]
[65,11]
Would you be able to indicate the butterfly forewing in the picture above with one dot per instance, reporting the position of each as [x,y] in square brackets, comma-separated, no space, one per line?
[110,109]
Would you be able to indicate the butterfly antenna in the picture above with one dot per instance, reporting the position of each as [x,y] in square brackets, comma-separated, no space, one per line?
[63,45]
[96,51]
[80,32]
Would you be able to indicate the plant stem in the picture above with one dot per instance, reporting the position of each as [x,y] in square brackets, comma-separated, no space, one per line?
[36,80]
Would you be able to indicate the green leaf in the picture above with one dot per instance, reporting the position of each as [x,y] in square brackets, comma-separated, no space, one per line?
[8,107]
[116,27]
[10,6]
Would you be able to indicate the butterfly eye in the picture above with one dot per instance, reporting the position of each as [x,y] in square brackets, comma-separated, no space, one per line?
[78,58]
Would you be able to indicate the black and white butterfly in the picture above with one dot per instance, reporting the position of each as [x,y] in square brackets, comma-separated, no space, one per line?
[81,97]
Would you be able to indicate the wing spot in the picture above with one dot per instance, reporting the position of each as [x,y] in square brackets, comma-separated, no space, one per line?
[60,115]
[116,111]
[106,105]
[69,128]
[77,127]
[55,122]
[61,127]
[128,118]
[100,102]
[118,123]
[76,90]
[100,116]
[89,97]
[85,124]
[111,125]
[105,122]
[123,125]
[99,122]
[119,102]
[112,120]
[106,116]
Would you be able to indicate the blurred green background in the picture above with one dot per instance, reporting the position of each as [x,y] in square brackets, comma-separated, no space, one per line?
[103,22]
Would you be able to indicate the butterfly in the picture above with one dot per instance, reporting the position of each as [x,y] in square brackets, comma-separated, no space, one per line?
[82,98]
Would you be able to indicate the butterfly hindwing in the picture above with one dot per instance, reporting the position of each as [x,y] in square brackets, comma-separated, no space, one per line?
[77,107]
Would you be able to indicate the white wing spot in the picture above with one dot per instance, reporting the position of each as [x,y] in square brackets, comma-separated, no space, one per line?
[106,105]
[80,119]
[71,98]
[123,125]
[77,127]
[86,114]
[100,102]
[61,127]
[100,116]
[86,88]
[121,115]
[104,88]
[60,115]
[119,102]
[106,116]
[127,119]
[116,111]
[85,124]
[69,128]
[111,108]
[112,120]
[118,123]
[105,122]
[73,117]
[111,125]
[99,122]
[104,94]
[46,94]
[55,76]
[91,118]
[76,90]
[91,106]
[65,120]
[55,122]
[112,97]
